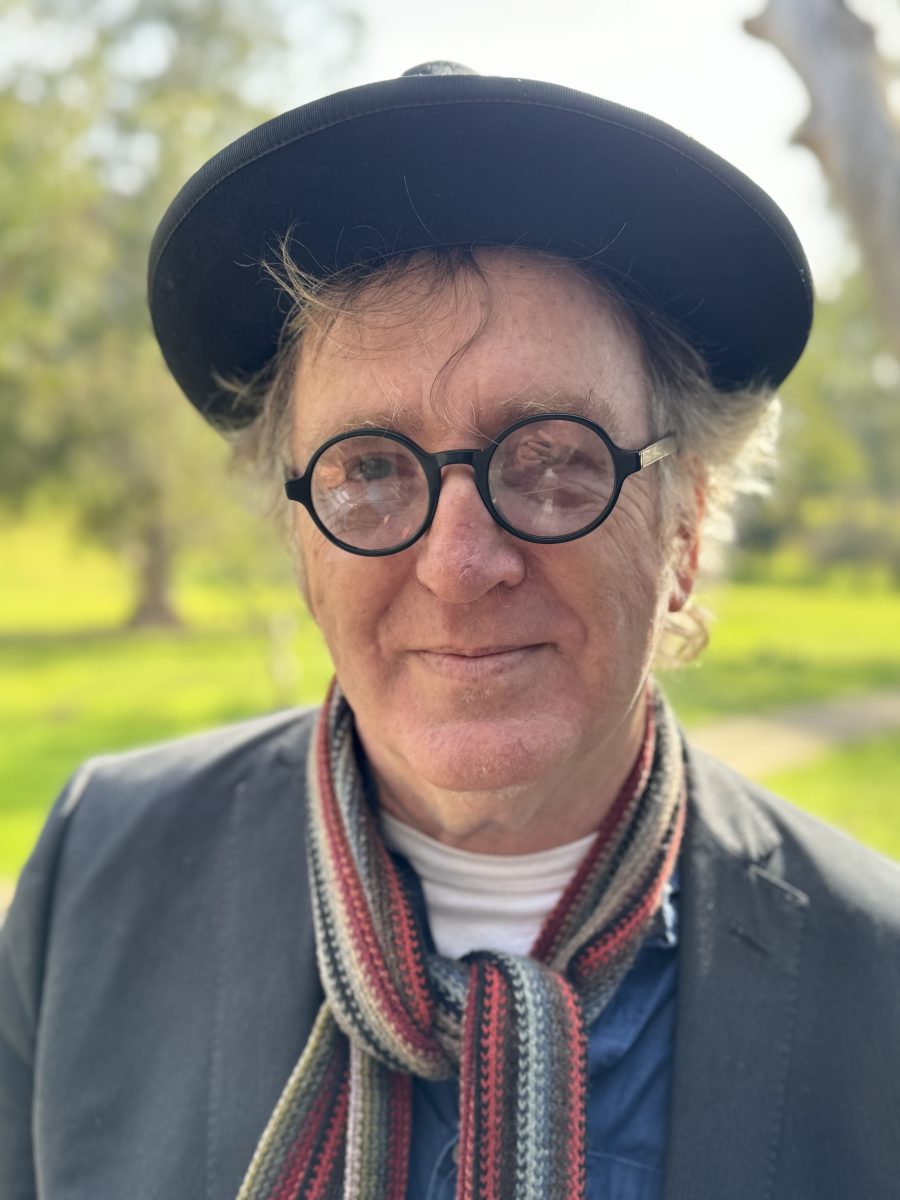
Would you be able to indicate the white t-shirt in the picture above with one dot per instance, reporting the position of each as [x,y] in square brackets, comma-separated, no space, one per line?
[484,901]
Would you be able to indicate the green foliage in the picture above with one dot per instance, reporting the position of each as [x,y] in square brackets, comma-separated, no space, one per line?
[837,499]
[104,113]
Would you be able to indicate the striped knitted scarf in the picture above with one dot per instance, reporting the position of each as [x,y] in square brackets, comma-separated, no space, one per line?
[511,1028]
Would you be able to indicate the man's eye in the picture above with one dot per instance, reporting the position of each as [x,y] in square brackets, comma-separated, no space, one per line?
[372,468]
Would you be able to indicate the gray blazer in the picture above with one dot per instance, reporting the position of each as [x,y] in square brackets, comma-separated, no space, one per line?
[158,981]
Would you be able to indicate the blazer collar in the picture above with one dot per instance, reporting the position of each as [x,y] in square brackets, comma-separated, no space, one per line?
[741,933]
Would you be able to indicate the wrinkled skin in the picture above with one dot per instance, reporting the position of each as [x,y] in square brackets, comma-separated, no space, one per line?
[498,685]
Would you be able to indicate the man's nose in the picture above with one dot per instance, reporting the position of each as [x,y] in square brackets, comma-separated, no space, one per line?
[465,553]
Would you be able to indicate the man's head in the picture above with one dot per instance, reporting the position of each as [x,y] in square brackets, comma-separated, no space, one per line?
[506,255]
[449,349]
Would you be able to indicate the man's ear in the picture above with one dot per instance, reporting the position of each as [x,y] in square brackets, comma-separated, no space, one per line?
[686,549]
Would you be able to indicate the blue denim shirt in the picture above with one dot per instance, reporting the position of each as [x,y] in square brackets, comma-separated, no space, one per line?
[629,1076]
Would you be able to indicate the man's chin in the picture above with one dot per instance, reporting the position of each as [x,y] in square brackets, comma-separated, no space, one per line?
[488,754]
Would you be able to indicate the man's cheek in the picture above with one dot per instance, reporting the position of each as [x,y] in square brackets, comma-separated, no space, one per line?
[304,568]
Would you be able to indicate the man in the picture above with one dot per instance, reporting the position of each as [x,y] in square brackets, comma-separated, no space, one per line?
[483,927]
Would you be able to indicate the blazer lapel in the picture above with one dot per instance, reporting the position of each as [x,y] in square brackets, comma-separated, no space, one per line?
[740,942]
[268,990]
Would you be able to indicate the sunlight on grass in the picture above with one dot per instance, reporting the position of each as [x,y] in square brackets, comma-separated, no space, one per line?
[53,581]
[775,646]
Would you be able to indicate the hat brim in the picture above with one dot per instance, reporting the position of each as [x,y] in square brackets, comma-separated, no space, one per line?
[463,160]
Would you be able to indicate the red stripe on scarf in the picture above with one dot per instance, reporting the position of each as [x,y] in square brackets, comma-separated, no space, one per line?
[399,1135]
[493,1098]
[346,878]
[467,1185]
[331,1160]
[329,1113]
[408,943]
[576,1095]
[597,953]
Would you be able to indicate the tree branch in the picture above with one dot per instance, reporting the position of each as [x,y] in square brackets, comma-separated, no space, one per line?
[850,127]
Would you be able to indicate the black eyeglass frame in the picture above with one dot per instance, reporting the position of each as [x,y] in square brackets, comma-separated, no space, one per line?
[625,463]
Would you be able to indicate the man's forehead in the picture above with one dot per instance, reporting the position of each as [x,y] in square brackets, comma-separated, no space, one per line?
[438,293]
[508,335]
[411,418]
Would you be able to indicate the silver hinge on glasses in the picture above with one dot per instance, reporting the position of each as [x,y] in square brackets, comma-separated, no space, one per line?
[658,450]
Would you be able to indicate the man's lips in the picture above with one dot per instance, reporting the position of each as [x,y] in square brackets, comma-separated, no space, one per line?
[478,651]
[477,662]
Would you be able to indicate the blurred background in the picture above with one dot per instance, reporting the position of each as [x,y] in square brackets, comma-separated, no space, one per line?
[142,597]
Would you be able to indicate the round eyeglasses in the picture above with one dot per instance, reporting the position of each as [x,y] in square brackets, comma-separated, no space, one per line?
[544,479]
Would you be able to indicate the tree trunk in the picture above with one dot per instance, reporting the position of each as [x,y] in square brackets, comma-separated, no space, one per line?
[153,568]
[850,128]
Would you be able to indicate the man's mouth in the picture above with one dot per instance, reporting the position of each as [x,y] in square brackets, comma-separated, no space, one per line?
[471,663]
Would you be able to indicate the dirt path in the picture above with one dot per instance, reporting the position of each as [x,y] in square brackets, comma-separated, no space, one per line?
[757,746]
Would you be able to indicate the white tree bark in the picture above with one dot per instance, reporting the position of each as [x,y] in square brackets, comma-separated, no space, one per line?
[850,128]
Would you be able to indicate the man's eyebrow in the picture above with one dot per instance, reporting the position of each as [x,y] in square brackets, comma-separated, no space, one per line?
[399,418]
[407,418]
[578,404]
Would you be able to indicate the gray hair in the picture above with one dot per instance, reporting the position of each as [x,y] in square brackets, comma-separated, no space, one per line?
[726,440]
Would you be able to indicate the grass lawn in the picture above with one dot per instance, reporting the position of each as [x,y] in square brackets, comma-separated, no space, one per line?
[65,697]
[857,788]
[775,646]
[72,685]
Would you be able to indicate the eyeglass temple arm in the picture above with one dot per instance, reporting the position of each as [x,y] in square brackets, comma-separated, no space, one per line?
[657,450]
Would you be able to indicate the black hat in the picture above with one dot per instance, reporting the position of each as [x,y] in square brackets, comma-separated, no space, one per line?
[445,157]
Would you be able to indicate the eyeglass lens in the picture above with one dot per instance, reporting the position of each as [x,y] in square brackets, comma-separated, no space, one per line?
[549,478]
[371,492]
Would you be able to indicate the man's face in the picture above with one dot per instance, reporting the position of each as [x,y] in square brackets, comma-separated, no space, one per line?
[477,663]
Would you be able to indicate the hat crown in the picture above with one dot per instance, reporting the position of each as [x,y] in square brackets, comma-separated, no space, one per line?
[443,157]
